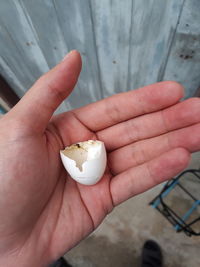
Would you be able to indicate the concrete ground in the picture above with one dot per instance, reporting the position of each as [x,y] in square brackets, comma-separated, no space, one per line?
[119,239]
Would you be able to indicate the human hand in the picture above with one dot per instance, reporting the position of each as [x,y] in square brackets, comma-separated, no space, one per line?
[148,134]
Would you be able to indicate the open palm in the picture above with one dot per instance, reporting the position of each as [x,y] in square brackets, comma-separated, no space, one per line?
[148,135]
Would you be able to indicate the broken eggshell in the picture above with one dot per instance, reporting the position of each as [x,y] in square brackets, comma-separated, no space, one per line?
[85,161]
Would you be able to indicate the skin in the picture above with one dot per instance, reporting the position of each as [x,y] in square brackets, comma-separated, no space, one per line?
[149,135]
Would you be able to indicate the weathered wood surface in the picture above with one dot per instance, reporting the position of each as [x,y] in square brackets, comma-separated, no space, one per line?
[183,63]
[124,44]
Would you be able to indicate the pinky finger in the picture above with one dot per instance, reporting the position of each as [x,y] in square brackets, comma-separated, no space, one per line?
[143,177]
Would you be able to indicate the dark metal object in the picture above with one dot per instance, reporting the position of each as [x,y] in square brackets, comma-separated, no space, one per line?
[7,94]
[60,263]
[187,220]
[197,93]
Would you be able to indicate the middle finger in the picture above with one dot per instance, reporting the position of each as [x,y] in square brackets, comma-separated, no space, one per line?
[146,126]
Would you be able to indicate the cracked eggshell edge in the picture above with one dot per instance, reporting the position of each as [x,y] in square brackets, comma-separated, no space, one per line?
[92,172]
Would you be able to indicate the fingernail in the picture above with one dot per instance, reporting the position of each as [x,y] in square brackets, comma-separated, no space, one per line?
[68,55]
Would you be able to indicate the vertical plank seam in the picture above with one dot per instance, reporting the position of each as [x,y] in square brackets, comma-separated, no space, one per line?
[29,21]
[163,69]
[57,17]
[96,54]
[12,40]
[128,85]
[10,36]
[66,102]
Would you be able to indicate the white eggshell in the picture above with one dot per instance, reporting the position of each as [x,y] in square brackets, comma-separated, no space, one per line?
[92,168]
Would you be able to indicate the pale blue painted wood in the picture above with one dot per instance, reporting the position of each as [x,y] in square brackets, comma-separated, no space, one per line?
[45,27]
[76,23]
[112,26]
[124,44]
[183,62]
[153,27]
[42,15]
[19,43]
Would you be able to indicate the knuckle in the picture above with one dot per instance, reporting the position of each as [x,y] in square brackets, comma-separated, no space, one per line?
[55,91]
[131,131]
[112,111]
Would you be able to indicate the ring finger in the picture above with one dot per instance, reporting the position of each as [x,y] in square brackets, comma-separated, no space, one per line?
[140,152]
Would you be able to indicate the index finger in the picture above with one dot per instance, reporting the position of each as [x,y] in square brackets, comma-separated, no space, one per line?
[124,106]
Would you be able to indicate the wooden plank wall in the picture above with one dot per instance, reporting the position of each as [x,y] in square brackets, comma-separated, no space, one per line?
[124,44]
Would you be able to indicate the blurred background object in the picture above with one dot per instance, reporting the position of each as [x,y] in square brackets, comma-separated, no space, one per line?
[197,93]
[179,202]
[8,97]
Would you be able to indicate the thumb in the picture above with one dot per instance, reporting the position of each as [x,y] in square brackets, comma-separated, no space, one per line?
[39,103]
